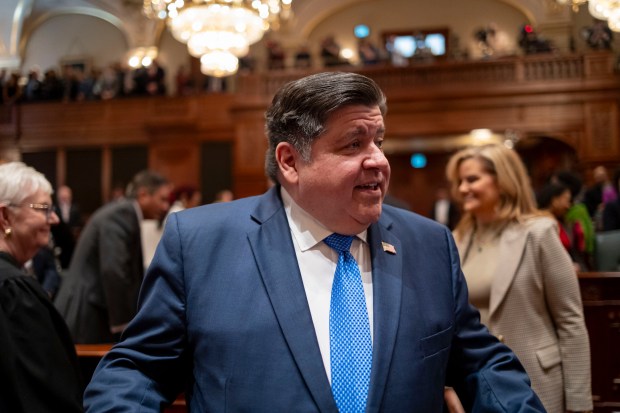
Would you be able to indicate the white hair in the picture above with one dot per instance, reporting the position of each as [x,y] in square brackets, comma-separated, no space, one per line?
[18,181]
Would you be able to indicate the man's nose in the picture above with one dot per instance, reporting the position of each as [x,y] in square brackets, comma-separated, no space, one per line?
[376,158]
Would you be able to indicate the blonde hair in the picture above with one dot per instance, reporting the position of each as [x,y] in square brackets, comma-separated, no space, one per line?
[516,200]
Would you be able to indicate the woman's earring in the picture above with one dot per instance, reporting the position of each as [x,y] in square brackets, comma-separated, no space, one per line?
[7,232]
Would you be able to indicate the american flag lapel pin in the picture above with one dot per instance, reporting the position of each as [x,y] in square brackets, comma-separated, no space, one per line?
[388,248]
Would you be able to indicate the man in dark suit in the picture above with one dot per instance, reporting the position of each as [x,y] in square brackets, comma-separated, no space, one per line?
[99,295]
[68,229]
[243,303]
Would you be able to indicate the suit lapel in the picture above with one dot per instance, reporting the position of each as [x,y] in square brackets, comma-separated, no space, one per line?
[511,249]
[387,292]
[277,264]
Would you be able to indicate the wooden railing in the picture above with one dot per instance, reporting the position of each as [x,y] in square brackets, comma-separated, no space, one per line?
[513,71]
[600,292]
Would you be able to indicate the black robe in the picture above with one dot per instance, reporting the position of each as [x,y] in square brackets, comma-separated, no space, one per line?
[39,370]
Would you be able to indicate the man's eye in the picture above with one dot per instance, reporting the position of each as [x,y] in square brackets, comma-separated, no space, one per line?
[355,144]
[379,144]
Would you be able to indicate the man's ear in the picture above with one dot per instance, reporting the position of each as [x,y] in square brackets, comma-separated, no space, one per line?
[288,160]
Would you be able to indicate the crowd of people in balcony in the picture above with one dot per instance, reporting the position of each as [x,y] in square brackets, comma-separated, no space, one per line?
[79,83]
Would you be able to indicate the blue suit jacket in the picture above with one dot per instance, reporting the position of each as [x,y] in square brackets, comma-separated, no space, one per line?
[223,314]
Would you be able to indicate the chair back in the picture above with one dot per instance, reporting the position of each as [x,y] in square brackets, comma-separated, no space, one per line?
[607,251]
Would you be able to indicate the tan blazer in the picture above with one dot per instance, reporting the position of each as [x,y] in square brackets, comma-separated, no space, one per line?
[536,307]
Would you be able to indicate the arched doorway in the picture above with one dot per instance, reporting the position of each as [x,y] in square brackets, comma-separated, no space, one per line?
[545,155]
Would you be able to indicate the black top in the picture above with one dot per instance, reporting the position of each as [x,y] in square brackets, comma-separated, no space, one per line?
[611,215]
[39,370]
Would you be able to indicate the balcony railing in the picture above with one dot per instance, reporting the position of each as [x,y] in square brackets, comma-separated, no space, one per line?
[450,75]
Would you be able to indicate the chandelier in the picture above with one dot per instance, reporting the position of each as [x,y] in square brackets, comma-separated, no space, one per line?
[219,32]
[573,3]
[608,10]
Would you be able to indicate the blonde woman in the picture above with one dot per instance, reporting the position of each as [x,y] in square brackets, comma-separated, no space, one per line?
[520,276]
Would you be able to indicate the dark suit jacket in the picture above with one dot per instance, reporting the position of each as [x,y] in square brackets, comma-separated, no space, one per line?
[223,311]
[101,287]
[66,233]
[611,215]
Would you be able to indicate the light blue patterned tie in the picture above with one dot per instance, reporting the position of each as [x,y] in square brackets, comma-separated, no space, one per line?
[350,344]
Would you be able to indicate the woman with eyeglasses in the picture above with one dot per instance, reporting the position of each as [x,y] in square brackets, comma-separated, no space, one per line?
[39,371]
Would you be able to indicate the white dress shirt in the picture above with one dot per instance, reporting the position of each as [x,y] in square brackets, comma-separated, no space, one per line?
[317,264]
[442,207]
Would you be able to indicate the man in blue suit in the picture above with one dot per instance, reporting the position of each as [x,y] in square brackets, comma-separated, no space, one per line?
[236,308]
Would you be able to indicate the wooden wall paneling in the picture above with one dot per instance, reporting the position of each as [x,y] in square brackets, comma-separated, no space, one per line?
[106,174]
[61,166]
[571,98]
[44,162]
[177,161]
[601,128]
[84,168]
[216,159]
[418,187]
[125,162]
[249,153]
[601,302]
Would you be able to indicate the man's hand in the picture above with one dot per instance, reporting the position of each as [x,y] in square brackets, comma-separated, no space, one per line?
[452,401]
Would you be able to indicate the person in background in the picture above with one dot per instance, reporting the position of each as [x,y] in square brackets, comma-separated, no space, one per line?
[183,197]
[520,276]
[598,195]
[68,229]
[303,57]
[313,297]
[444,210]
[578,212]
[391,199]
[225,195]
[611,213]
[46,268]
[556,198]
[117,193]
[99,293]
[368,53]
[330,52]
[39,370]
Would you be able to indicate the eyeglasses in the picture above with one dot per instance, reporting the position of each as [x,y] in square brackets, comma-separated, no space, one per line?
[47,209]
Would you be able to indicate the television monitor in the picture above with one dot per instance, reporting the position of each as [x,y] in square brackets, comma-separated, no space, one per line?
[407,42]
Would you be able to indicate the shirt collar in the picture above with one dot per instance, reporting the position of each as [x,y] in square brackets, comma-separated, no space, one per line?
[306,229]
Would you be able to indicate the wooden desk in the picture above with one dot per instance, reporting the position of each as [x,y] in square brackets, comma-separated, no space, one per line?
[600,292]
[89,356]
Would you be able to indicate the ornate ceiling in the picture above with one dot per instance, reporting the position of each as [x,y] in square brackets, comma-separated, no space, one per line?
[20,18]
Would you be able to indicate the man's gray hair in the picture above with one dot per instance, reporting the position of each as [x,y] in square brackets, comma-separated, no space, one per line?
[149,180]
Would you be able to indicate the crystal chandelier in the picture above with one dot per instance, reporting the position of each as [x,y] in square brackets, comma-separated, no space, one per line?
[573,3]
[606,10]
[219,32]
